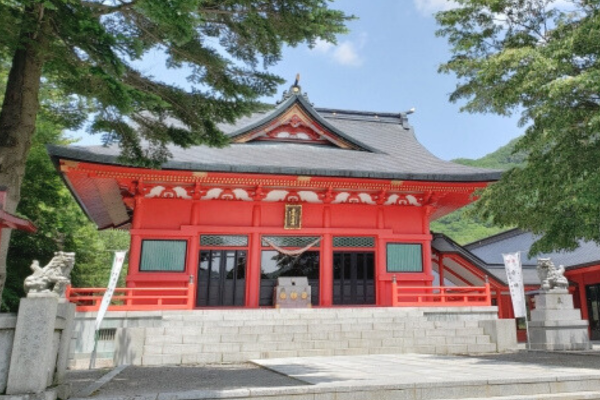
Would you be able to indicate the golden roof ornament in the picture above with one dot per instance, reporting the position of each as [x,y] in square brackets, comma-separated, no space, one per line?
[294,90]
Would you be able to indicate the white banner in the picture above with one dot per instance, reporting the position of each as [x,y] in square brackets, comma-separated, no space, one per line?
[112,284]
[514,276]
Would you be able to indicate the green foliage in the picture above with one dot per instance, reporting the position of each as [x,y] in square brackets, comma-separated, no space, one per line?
[48,204]
[504,158]
[539,57]
[465,225]
[223,46]
[87,49]
[61,225]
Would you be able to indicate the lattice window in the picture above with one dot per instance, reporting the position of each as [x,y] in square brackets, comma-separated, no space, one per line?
[223,240]
[353,241]
[163,255]
[107,334]
[404,257]
[290,241]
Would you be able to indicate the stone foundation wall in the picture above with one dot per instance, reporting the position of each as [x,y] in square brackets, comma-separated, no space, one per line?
[213,336]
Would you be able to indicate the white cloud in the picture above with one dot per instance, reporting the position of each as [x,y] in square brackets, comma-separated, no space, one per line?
[428,7]
[345,53]
[322,46]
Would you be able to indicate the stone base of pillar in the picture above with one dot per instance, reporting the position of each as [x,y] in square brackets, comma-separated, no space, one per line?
[32,362]
[556,325]
[45,395]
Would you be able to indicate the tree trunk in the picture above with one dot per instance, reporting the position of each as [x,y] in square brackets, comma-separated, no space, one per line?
[19,111]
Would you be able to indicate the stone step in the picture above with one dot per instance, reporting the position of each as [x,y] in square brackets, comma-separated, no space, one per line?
[349,324]
[591,395]
[204,336]
[312,332]
[319,339]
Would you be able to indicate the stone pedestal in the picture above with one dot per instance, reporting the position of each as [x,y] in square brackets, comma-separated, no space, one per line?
[31,364]
[556,325]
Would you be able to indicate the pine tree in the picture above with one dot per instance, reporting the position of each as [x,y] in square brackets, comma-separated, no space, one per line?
[88,49]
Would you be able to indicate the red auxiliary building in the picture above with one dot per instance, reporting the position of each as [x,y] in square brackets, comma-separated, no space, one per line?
[343,198]
[10,221]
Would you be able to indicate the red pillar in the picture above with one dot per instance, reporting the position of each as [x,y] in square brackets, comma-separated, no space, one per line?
[195,217]
[427,268]
[134,256]
[441,268]
[582,297]
[326,284]
[253,267]
[383,286]
[135,246]
[193,258]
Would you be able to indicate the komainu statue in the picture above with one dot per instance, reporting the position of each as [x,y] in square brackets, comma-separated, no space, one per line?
[552,278]
[54,277]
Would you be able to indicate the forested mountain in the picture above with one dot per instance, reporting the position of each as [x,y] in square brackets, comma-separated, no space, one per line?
[463,227]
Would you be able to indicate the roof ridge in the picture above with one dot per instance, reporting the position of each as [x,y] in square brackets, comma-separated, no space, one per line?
[375,116]
[494,238]
[465,253]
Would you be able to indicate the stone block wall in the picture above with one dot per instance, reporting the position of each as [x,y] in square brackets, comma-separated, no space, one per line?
[214,336]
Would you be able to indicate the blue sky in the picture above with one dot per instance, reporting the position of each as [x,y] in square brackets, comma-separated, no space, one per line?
[388,62]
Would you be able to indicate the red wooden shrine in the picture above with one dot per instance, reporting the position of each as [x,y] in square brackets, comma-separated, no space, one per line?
[10,221]
[220,220]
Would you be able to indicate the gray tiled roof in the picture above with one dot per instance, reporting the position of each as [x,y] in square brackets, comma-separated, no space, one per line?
[444,244]
[530,276]
[490,250]
[391,152]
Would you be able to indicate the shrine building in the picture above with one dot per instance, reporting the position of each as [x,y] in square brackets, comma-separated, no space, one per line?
[343,198]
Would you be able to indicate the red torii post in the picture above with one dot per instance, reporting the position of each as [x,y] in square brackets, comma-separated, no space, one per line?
[10,221]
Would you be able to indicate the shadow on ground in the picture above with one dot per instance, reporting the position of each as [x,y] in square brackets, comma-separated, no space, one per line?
[143,380]
[589,359]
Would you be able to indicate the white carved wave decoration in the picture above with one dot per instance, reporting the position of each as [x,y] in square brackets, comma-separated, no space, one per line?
[279,195]
[226,194]
[366,198]
[177,192]
[307,196]
[242,194]
[212,194]
[353,198]
[407,200]
[276,195]
[341,198]
[298,135]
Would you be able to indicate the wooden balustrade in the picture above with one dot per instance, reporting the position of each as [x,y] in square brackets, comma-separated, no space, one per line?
[181,298]
[134,299]
[441,296]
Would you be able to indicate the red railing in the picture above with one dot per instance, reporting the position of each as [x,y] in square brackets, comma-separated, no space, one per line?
[181,298]
[440,296]
[134,299]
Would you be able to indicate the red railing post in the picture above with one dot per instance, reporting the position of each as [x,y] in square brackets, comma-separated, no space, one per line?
[443,294]
[488,294]
[68,293]
[394,292]
[190,293]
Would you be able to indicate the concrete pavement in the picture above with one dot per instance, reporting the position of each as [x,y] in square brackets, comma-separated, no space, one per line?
[521,375]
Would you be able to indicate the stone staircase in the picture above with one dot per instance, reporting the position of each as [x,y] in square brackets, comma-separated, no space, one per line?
[215,336]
